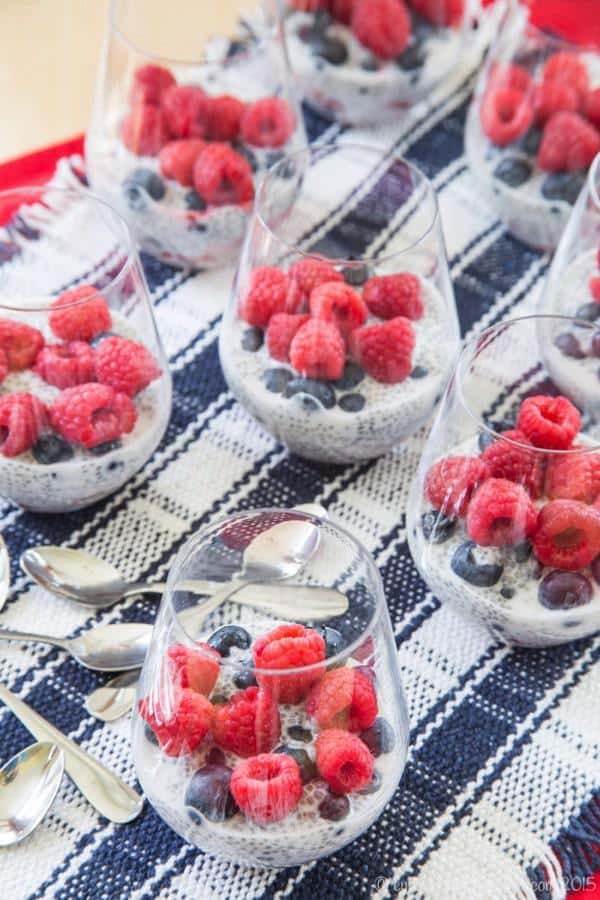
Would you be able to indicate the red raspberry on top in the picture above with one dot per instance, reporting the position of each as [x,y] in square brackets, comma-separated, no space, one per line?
[223,117]
[177,158]
[289,647]
[181,728]
[549,422]
[506,114]
[594,286]
[22,419]
[66,365]
[500,514]
[21,344]
[388,296]
[267,788]
[248,723]
[222,176]
[341,10]
[510,457]
[145,130]
[185,111]
[269,122]
[451,482]
[343,761]
[382,25]
[569,143]
[308,5]
[3,365]
[591,106]
[266,296]
[568,535]
[339,304]
[92,414]
[149,84]
[553,96]
[281,330]
[79,314]
[343,698]
[441,12]
[127,366]
[304,276]
[318,350]
[509,75]
[566,68]
[385,350]
[197,669]
[573,476]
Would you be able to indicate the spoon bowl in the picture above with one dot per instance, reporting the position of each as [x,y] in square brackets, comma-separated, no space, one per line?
[115,698]
[28,785]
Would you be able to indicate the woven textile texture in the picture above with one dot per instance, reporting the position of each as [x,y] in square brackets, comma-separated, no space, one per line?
[497,800]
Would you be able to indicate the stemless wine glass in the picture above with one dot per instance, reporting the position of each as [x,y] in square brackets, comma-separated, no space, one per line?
[185,122]
[341,328]
[504,518]
[260,735]
[85,392]
[534,126]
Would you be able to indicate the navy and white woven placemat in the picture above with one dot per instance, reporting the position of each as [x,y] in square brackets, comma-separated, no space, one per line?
[500,795]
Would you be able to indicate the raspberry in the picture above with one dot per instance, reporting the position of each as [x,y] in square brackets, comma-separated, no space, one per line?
[591,106]
[594,286]
[223,117]
[222,176]
[549,422]
[318,351]
[125,365]
[343,761]
[265,297]
[184,727]
[341,10]
[574,476]
[177,158]
[566,68]
[451,482]
[441,12]
[388,296]
[149,84]
[21,344]
[79,314]
[308,5]
[500,514]
[280,332]
[145,130]
[22,419]
[305,275]
[269,122]
[339,304]
[553,96]
[509,75]
[248,723]
[385,351]
[289,647]
[382,25]
[3,365]
[343,698]
[197,669]
[504,459]
[569,143]
[66,365]
[92,414]
[506,114]
[267,788]
[568,535]
[185,111]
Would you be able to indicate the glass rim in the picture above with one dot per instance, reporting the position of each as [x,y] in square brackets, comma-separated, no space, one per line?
[593,179]
[82,193]
[467,354]
[314,150]
[327,662]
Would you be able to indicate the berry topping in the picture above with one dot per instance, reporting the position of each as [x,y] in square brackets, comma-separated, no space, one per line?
[223,117]
[182,728]
[307,767]
[208,794]
[22,419]
[185,108]
[341,10]
[298,733]
[245,678]
[549,422]
[20,344]
[437,528]
[92,414]
[567,69]
[343,698]
[569,143]
[79,314]
[352,403]
[281,330]
[289,647]
[563,186]
[269,122]
[451,481]
[553,96]
[248,723]
[465,565]
[509,75]
[382,25]
[574,476]
[441,12]
[127,366]
[594,286]
[267,788]
[265,297]
[66,365]
[141,184]
[500,514]
[222,176]
[343,761]
[334,807]
[591,107]
[197,669]
[351,377]
[149,84]
[509,457]
[513,171]
[339,304]
[145,130]
[318,350]
[277,380]
[380,737]
[312,393]
[385,350]
[49,449]
[334,642]
[332,49]
[506,114]
[304,276]
[564,590]
[224,639]
[252,339]
[568,535]
[177,158]
[568,344]
[388,296]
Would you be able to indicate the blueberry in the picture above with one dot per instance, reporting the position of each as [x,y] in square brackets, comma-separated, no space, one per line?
[588,312]
[245,678]
[149,734]
[248,155]
[141,184]
[208,793]
[8,250]
[530,143]
[308,768]
[373,785]
[318,390]
[507,592]
[334,642]
[370,64]
[563,186]
[215,756]
[106,447]
[419,372]
[95,342]
[235,48]
[276,380]
[322,20]
[595,345]
[252,339]
[194,201]
[413,57]
[50,449]
[513,171]
[522,551]
[356,276]
[437,528]
[334,807]
[564,590]
[331,49]
[465,566]
[350,377]
[380,737]
[228,636]
[298,733]
[568,345]
[352,402]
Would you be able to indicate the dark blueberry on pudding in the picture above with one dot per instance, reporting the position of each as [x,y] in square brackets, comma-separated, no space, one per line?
[564,590]
[141,184]
[466,567]
[229,636]
[380,737]
[437,528]
[194,201]
[319,390]
[588,312]
[568,344]
[299,733]
[419,372]
[334,642]
[51,449]
[530,144]
[330,49]
[507,592]
[208,794]
[595,344]
[373,785]
[245,678]
[215,757]
[356,276]
[369,64]
[352,402]
[413,57]
[308,769]
[276,380]
[252,339]
[514,171]
[563,186]
[106,447]
[350,378]
[334,807]
[522,552]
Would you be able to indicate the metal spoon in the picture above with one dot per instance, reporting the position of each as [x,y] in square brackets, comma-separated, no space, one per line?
[114,699]
[28,785]
[107,648]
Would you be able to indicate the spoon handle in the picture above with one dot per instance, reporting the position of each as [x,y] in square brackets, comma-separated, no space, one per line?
[7,634]
[110,796]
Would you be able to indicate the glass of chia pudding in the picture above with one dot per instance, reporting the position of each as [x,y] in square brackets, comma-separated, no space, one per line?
[185,123]
[533,128]
[504,515]
[260,734]
[85,390]
[342,328]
